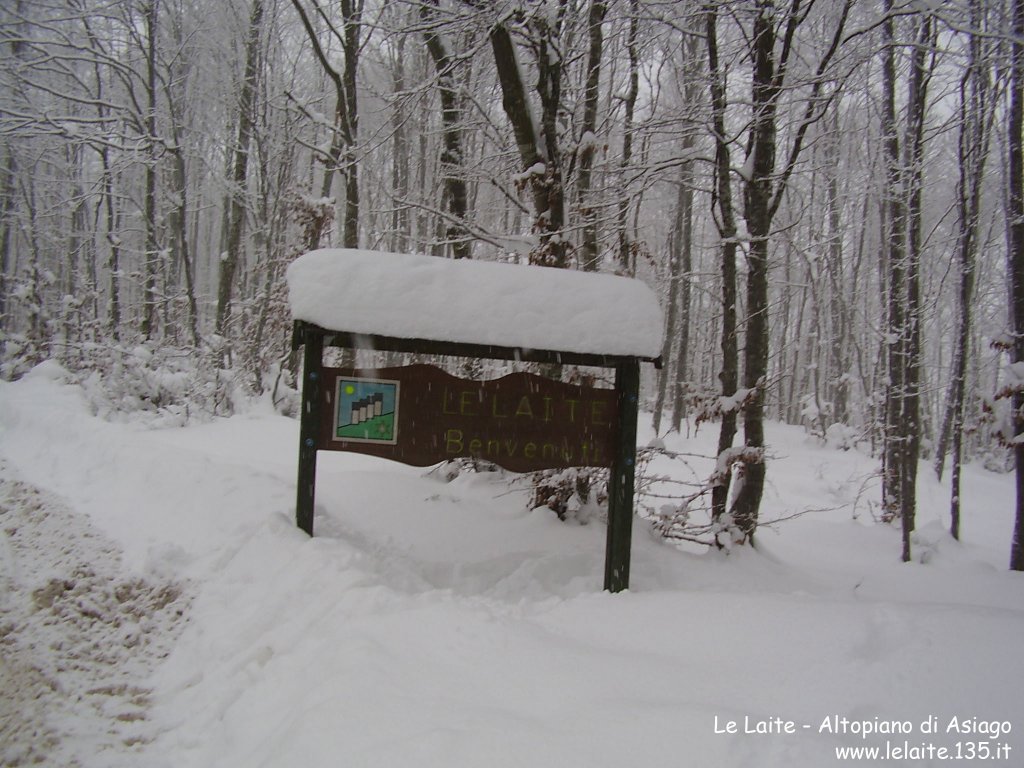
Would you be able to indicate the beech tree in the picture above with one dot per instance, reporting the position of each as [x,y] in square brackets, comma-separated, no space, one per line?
[340,156]
[12,39]
[627,247]
[770,38]
[180,244]
[455,192]
[151,25]
[538,146]
[977,110]
[675,351]
[589,254]
[903,237]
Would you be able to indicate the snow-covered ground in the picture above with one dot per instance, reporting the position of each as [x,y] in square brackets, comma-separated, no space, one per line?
[160,609]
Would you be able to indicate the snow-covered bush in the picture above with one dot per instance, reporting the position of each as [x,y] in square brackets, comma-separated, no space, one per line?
[679,509]
[18,355]
[995,430]
[169,384]
[575,493]
[842,436]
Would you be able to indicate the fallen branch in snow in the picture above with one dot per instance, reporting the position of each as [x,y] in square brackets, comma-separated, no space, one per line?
[674,521]
[795,515]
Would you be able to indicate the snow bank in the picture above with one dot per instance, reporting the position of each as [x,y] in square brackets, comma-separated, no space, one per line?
[475,302]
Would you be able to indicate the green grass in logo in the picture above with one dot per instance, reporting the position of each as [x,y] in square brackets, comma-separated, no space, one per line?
[377,428]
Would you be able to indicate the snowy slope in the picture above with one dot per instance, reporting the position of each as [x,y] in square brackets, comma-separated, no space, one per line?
[444,624]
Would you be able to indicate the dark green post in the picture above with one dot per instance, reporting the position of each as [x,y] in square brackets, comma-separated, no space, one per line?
[309,426]
[620,484]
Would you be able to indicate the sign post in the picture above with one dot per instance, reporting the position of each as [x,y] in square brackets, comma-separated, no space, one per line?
[620,482]
[309,426]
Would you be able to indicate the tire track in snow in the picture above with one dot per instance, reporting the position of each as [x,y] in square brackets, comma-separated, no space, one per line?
[79,637]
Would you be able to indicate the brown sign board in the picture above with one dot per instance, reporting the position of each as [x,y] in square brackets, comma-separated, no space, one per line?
[421,415]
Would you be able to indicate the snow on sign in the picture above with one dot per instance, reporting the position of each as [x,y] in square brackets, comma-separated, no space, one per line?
[421,415]
[478,302]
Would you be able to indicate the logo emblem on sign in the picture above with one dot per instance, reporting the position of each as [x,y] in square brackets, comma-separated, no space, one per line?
[366,410]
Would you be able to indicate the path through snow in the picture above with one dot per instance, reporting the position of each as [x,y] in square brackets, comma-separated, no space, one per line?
[77,635]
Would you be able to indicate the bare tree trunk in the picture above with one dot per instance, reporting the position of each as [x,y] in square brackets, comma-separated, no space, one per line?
[838,306]
[903,232]
[76,254]
[107,198]
[726,222]
[895,218]
[39,336]
[684,224]
[789,410]
[177,218]
[453,155]
[113,225]
[400,158]
[10,172]
[764,190]
[588,208]
[7,191]
[1015,267]
[911,427]
[239,174]
[151,254]
[549,89]
[539,154]
[178,225]
[352,12]
[627,258]
[341,153]
[758,215]
[976,113]
[675,373]
[681,373]
[665,375]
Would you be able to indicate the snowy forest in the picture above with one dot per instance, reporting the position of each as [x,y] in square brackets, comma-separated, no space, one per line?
[828,196]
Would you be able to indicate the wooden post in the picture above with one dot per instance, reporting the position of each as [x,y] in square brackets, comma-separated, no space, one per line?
[620,484]
[309,427]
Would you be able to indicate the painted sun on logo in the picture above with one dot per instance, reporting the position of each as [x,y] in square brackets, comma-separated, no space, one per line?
[366,410]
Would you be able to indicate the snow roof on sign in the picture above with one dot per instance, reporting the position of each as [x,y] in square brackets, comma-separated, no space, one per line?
[475,302]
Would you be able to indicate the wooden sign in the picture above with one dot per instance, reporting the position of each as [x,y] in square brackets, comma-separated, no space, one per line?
[420,415]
